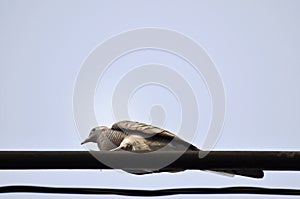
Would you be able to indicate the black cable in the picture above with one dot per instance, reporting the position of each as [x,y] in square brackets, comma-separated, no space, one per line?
[149,193]
[214,160]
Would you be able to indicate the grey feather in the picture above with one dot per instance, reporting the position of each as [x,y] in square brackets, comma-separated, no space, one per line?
[155,137]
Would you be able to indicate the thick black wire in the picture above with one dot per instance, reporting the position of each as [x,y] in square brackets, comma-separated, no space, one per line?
[149,193]
[214,160]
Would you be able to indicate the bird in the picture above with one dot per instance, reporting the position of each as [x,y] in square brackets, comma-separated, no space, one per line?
[140,137]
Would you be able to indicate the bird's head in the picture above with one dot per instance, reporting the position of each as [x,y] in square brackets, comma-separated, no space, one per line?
[94,134]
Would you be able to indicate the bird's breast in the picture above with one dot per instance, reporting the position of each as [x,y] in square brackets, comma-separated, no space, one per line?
[110,139]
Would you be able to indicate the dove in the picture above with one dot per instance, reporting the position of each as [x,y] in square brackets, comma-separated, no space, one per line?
[140,137]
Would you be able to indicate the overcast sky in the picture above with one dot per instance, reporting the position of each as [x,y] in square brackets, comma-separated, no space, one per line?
[254,45]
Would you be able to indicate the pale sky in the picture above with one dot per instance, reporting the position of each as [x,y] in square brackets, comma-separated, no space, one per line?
[254,45]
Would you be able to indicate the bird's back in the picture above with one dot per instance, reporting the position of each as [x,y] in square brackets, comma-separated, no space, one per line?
[156,138]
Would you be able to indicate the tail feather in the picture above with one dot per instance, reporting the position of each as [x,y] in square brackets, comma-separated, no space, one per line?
[247,173]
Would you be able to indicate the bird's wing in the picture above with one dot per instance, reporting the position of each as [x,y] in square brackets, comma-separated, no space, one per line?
[146,130]
[156,134]
[135,141]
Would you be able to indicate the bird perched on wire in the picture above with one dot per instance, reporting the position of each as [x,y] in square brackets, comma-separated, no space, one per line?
[140,137]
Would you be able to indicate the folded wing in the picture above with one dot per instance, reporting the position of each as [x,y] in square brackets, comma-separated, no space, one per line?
[155,137]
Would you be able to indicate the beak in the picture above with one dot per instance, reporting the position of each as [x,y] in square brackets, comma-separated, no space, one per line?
[85,141]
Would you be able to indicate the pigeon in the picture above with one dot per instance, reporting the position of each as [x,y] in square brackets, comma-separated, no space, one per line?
[140,137]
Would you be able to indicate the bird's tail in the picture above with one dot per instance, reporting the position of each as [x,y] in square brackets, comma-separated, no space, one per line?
[252,173]
[247,173]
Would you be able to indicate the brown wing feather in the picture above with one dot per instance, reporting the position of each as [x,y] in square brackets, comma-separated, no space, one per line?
[149,131]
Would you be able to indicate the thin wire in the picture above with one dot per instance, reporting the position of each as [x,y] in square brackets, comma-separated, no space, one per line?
[148,193]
